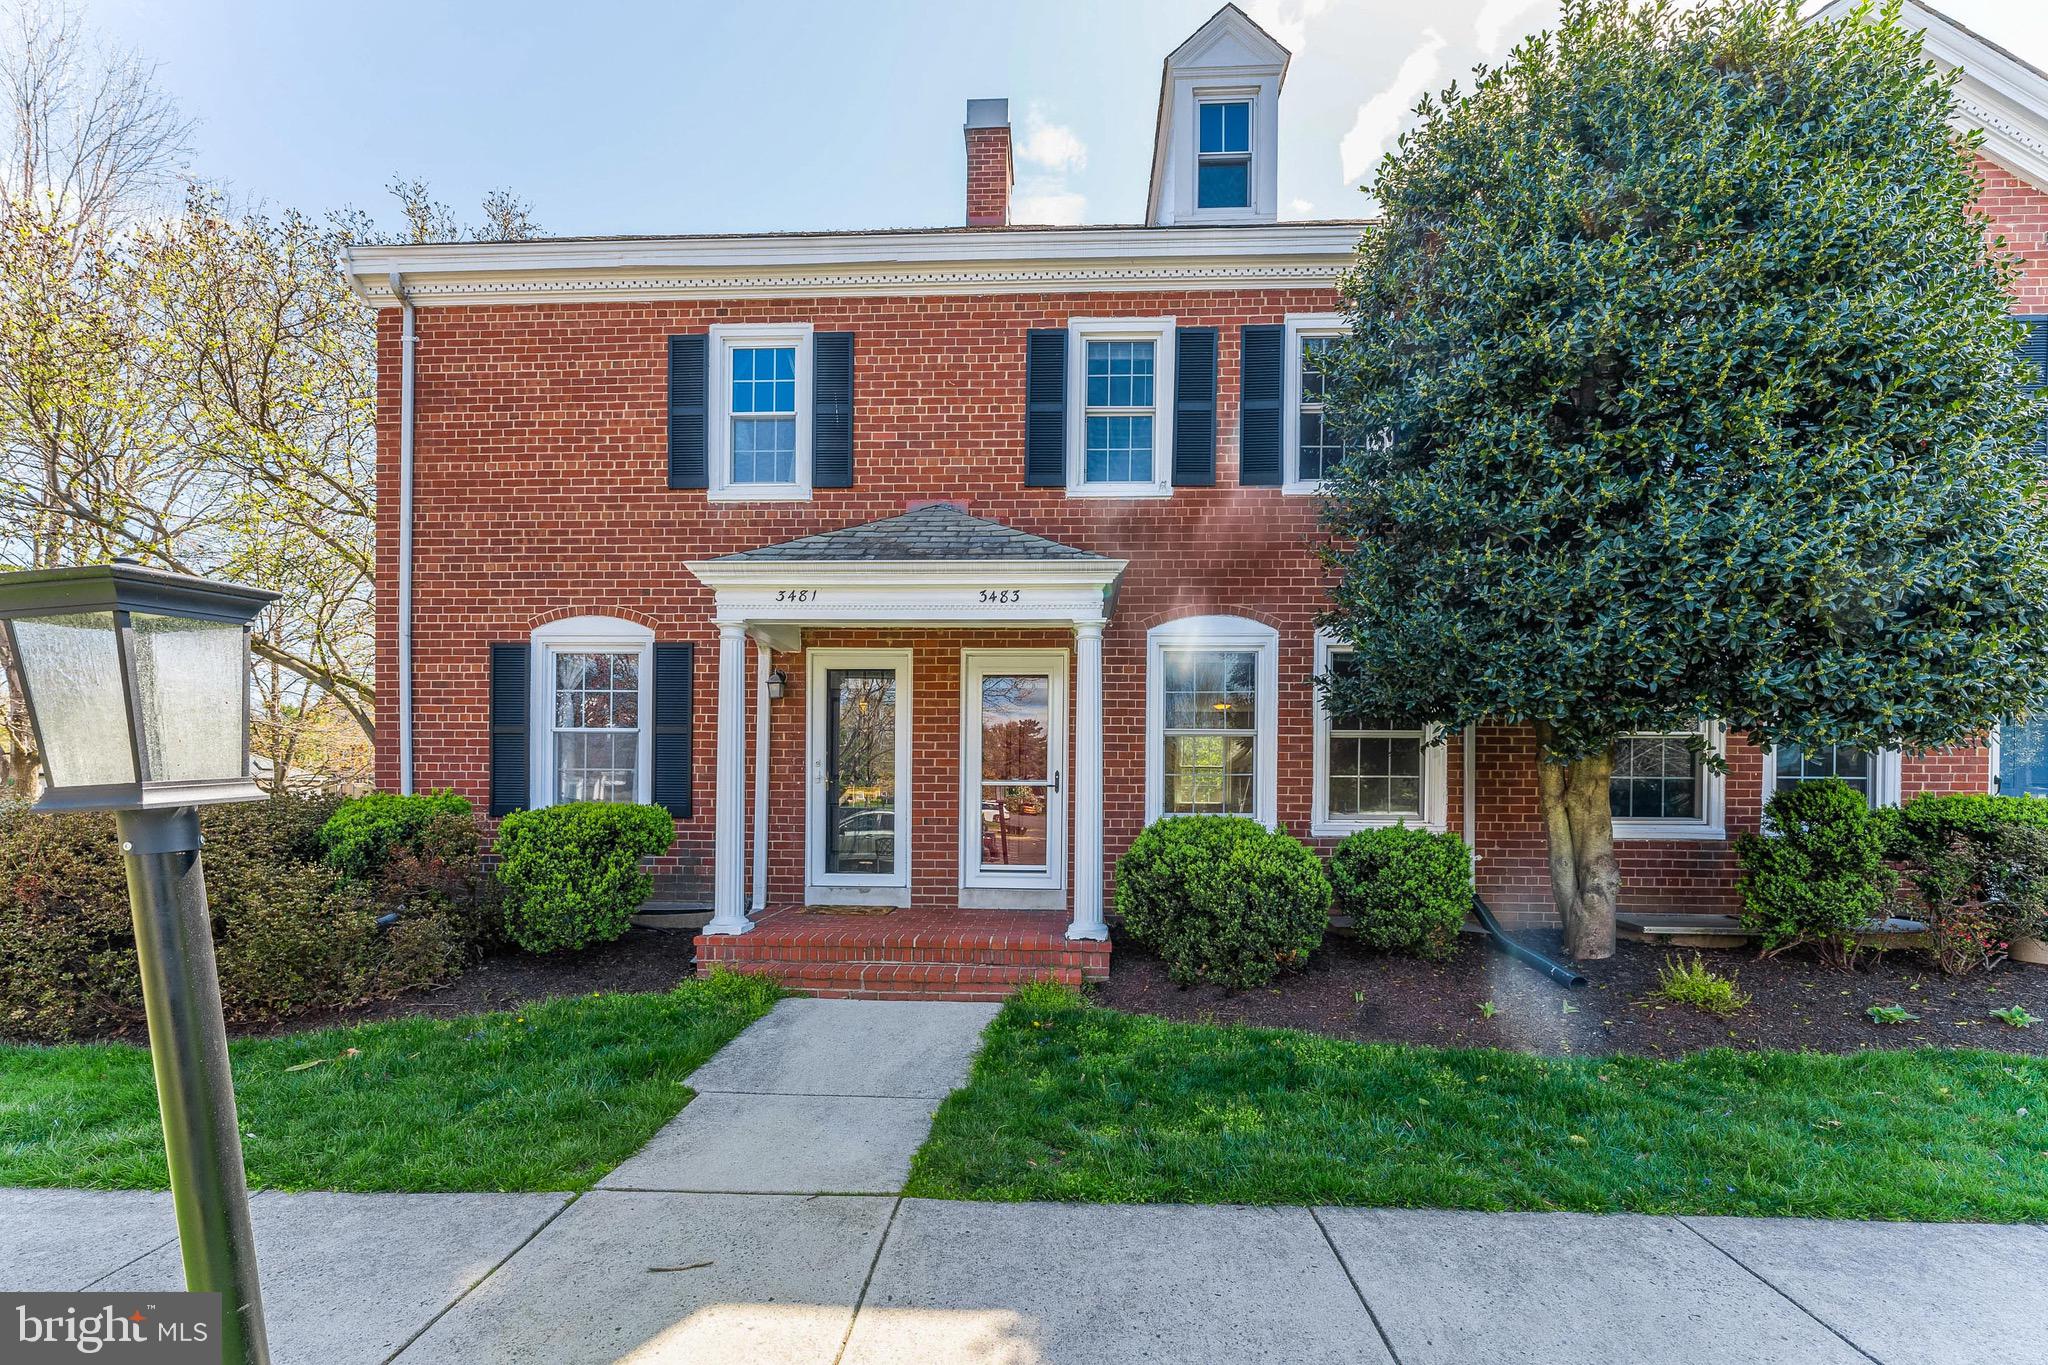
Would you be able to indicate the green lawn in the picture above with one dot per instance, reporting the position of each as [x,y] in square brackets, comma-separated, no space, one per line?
[1070,1101]
[547,1098]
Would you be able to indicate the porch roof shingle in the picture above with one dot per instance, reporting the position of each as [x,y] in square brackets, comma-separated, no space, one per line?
[937,531]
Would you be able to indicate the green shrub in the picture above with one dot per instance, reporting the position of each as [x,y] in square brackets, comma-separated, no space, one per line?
[1695,983]
[1818,874]
[290,932]
[1980,867]
[571,874]
[1406,890]
[363,832]
[1223,899]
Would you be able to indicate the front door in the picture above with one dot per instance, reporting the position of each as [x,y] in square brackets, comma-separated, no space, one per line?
[860,777]
[1012,774]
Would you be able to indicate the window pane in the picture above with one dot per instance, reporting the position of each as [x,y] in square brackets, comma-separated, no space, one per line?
[1844,762]
[1119,449]
[764,450]
[1013,826]
[1656,777]
[1226,127]
[1223,184]
[1211,690]
[860,770]
[1015,710]
[2023,757]
[1120,374]
[764,379]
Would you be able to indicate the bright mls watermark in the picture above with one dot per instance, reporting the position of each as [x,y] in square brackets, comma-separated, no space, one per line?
[157,1329]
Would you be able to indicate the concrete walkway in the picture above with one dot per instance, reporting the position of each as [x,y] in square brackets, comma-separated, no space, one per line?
[764,1224]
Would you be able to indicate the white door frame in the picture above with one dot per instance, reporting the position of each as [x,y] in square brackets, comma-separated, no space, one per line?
[854,888]
[981,889]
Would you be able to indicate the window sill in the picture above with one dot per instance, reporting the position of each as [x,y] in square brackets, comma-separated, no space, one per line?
[1687,831]
[1118,490]
[759,492]
[1337,829]
[1301,490]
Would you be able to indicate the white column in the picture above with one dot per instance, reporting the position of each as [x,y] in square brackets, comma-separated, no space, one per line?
[764,663]
[1087,783]
[729,834]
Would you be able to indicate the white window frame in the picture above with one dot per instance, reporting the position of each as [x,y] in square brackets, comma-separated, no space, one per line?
[1160,332]
[585,635]
[1712,821]
[1249,98]
[1191,90]
[1435,815]
[724,340]
[1217,633]
[1300,327]
[855,888]
[1884,777]
[984,888]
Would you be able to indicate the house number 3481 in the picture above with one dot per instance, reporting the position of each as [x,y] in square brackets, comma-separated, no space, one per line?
[1001,596]
[796,594]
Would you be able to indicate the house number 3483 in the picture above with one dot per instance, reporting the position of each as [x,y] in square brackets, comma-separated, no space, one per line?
[796,594]
[1001,596]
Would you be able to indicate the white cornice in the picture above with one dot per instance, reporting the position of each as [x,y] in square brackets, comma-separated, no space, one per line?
[1996,91]
[779,594]
[1300,255]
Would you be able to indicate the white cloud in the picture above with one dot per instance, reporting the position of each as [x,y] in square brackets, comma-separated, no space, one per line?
[1050,146]
[1053,205]
[1301,207]
[1286,20]
[1495,25]
[1379,118]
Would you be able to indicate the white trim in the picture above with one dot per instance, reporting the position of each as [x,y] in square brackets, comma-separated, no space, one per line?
[854,888]
[1300,326]
[724,340]
[1711,823]
[1161,333]
[807,265]
[1435,813]
[1884,776]
[1013,890]
[1216,632]
[908,592]
[579,635]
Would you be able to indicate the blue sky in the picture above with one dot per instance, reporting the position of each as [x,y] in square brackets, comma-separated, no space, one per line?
[702,117]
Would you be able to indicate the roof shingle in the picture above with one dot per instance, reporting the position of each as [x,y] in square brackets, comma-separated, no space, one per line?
[937,531]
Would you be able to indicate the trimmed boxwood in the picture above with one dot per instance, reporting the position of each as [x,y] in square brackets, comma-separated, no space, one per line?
[1222,899]
[571,873]
[1407,890]
[361,834]
[1817,874]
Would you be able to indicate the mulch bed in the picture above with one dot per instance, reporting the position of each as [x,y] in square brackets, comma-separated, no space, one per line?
[1350,992]
[643,960]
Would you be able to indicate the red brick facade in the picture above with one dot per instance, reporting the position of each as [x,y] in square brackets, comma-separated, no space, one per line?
[540,439]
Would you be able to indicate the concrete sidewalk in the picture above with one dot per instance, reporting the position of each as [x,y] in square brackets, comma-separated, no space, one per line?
[765,1224]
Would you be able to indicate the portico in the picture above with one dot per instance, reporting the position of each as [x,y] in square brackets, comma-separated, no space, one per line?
[1023,761]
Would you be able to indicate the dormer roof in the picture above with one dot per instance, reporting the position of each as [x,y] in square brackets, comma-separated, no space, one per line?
[1230,50]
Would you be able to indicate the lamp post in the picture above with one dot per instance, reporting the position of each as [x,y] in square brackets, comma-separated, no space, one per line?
[136,682]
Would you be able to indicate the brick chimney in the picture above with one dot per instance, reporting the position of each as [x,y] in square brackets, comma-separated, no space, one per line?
[989,172]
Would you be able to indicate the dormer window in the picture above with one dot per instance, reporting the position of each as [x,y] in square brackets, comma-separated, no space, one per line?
[1223,170]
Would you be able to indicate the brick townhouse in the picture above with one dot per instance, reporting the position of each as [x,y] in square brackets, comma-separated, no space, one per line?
[915,571]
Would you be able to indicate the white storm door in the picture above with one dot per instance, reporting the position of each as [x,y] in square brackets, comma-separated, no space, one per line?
[1013,770]
[859,776]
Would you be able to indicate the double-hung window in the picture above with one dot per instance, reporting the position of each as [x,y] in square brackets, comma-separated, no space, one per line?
[1223,154]
[1310,448]
[760,429]
[1211,713]
[1872,773]
[592,694]
[1664,788]
[1122,427]
[1371,770]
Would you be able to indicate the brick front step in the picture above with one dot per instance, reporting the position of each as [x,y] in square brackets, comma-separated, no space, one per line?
[909,955]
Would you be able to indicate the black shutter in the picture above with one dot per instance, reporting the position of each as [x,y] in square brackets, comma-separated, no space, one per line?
[2034,359]
[1194,407]
[686,394]
[1261,370]
[1045,408]
[511,767]
[675,685]
[832,410]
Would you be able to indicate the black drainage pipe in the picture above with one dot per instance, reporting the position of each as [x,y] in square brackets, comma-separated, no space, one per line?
[1555,971]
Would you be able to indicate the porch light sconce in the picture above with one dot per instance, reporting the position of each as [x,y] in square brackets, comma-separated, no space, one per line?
[136,683]
[777,685]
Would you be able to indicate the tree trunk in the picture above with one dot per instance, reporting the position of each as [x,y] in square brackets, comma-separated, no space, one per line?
[1578,825]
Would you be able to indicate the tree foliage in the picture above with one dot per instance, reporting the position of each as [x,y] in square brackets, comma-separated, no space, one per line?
[1681,387]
